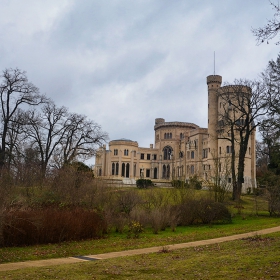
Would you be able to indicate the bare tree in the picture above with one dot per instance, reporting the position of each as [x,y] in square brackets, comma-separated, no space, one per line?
[61,137]
[271,29]
[241,107]
[46,130]
[220,173]
[15,91]
[81,139]
[270,125]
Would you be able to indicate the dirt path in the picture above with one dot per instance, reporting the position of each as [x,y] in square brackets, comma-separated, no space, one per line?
[70,260]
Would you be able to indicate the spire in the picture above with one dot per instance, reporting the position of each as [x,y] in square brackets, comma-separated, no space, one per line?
[214,63]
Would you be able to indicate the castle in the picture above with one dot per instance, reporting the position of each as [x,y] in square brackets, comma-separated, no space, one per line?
[180,151]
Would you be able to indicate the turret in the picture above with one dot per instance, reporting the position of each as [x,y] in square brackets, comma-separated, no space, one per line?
[214,83]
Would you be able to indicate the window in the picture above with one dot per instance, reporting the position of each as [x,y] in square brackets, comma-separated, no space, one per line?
[229,150]
[192,169]
[113,168]
[127,170]
[229,180]
[148,156]
[126,152]
[123,169]
[220,167]
[221,123]
[249,151]
[117,168]
[220,150]
[181,136]
[167,135]
[115,152]
[134,170]
[142,156]
[167,153]
[188,155]
[204,153]
[192,154]
[166,171]
[155,157]
[181,154]
[147,173]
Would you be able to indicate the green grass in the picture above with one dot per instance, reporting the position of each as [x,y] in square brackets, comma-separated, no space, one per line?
[256,258]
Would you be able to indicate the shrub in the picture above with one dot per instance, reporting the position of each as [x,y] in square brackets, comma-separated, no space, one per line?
[179,184]
[195,183]
[210,211]
[203,211]
[49,225]
[135,228]
[144,183]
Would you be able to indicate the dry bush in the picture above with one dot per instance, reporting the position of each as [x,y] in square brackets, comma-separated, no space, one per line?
[159,219]
[203,211]
[187,212]
[119,221]
[211,211]
[126,201]
[50,225]
[141,215]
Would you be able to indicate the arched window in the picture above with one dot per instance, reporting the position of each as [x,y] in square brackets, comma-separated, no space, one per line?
[126,152]
[123,169]
[127,171]
[134,170]
[100,172]
[117,168]
[228,149]
[170,135]
[165,136]
[167,153]
[192,154]
[168,171]
[113,168]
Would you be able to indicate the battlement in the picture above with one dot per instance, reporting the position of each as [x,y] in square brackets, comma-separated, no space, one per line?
[235,89]
[214,79]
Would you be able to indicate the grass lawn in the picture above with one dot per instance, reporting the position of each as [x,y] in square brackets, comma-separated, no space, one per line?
[254,258]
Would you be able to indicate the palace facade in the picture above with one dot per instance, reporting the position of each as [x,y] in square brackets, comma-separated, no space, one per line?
[180,150]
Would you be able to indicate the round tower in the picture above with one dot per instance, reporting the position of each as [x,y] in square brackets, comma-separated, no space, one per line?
[214,83]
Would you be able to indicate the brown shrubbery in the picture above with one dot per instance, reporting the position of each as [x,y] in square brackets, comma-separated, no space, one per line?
[50,225]
[71,205]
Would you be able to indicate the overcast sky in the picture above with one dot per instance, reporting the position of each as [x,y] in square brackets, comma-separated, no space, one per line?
[124,63]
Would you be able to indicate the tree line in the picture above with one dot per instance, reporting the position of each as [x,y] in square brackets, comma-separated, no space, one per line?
[36,134]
